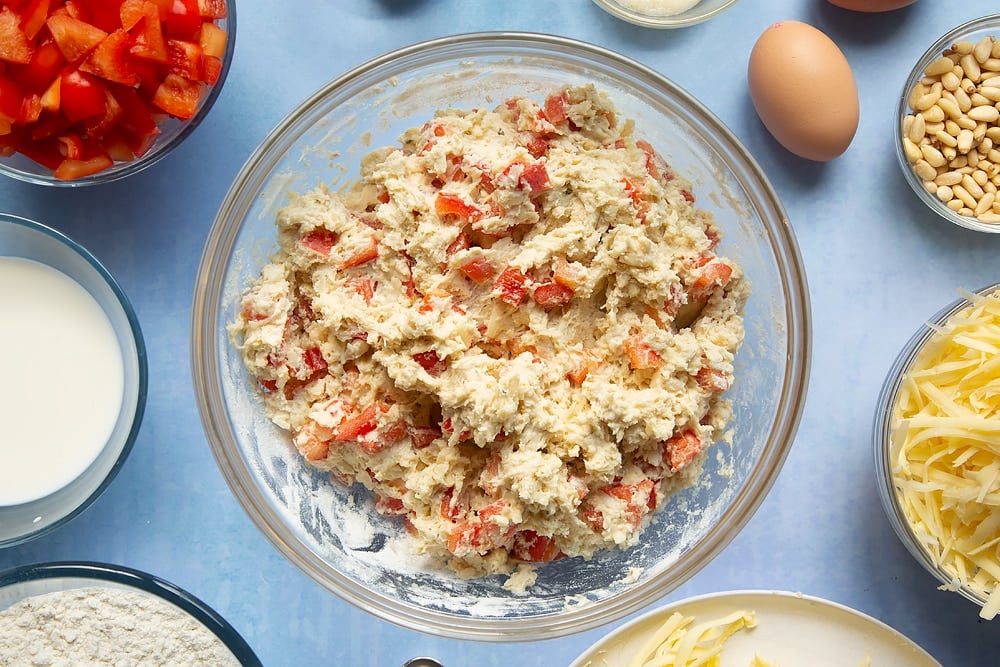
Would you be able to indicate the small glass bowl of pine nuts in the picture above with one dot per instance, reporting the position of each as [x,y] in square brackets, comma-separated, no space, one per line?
[948,141]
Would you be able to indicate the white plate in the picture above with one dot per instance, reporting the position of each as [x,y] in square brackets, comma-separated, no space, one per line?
[792,630]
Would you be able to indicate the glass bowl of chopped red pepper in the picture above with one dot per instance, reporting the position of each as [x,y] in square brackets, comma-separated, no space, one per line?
[357,543]
[93,91]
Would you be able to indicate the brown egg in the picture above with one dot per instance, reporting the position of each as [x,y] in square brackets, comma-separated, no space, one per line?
[871,6]
[803,90]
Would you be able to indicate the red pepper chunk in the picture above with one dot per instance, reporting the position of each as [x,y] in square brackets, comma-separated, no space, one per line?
[478,270]
[33,17]
[714,274]
[15,46]
[681,448]
[555,108]
[512,285]
[363,285]
[534,548]
[75,38]
[11,99]
[451,206]
[363,256]
[552,295]
[320,240]
[110,59]
[712,380]
[640,354]
[431,362]
[534,177]
[360,424]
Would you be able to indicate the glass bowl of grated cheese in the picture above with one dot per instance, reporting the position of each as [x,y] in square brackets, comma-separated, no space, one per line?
[937,447]
[370,545]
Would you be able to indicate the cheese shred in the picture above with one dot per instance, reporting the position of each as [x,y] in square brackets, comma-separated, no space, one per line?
[946,448]
[677,643]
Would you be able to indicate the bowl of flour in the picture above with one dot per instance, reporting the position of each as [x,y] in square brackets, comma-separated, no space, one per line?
[76,613]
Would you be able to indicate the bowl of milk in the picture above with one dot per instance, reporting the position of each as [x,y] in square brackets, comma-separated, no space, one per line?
[75,379]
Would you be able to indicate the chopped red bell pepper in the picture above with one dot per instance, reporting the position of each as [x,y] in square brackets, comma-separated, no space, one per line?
[512,284]
[33,17]
[75,38]
[11,99]
[552,295]
[320,240]
[81,95]
[104,70]
[15,46]
[110,59]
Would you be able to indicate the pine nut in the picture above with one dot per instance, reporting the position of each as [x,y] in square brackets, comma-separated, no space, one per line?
[946,139]
[933,115]
[939,67]
[980,177]
[989,218]
[973,188]
[964,141]
[962,48]
[963,100]
[984,114]
[944,193]
[990,92]
[978,100]
[963,194]
[927,100]
[924,170]
[917,129]
[950,81]
[966,123]
[985,204]
[981,51]
[932,156]
[954,204]
[971,67]
[948,178]
[949,107]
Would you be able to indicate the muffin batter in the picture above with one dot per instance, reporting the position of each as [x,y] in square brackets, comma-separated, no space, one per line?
[514,329]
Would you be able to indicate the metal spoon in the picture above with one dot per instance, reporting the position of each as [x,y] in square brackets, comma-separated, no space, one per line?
[422,662]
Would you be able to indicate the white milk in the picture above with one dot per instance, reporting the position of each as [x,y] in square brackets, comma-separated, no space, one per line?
[62,383]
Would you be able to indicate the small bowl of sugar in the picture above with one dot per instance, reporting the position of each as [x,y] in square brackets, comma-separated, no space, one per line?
[81,613]
[75,379]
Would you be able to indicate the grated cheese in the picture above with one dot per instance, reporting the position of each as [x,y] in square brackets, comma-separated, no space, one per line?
[675,644]
[946,448]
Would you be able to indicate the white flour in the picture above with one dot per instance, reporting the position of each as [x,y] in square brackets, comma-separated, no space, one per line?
[105,626]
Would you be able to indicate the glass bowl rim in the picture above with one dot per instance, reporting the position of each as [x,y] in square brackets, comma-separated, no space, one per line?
[647,20]
[120,170]
[902,110]
[141,362]
[882,438]
[218,249]
[143,581]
